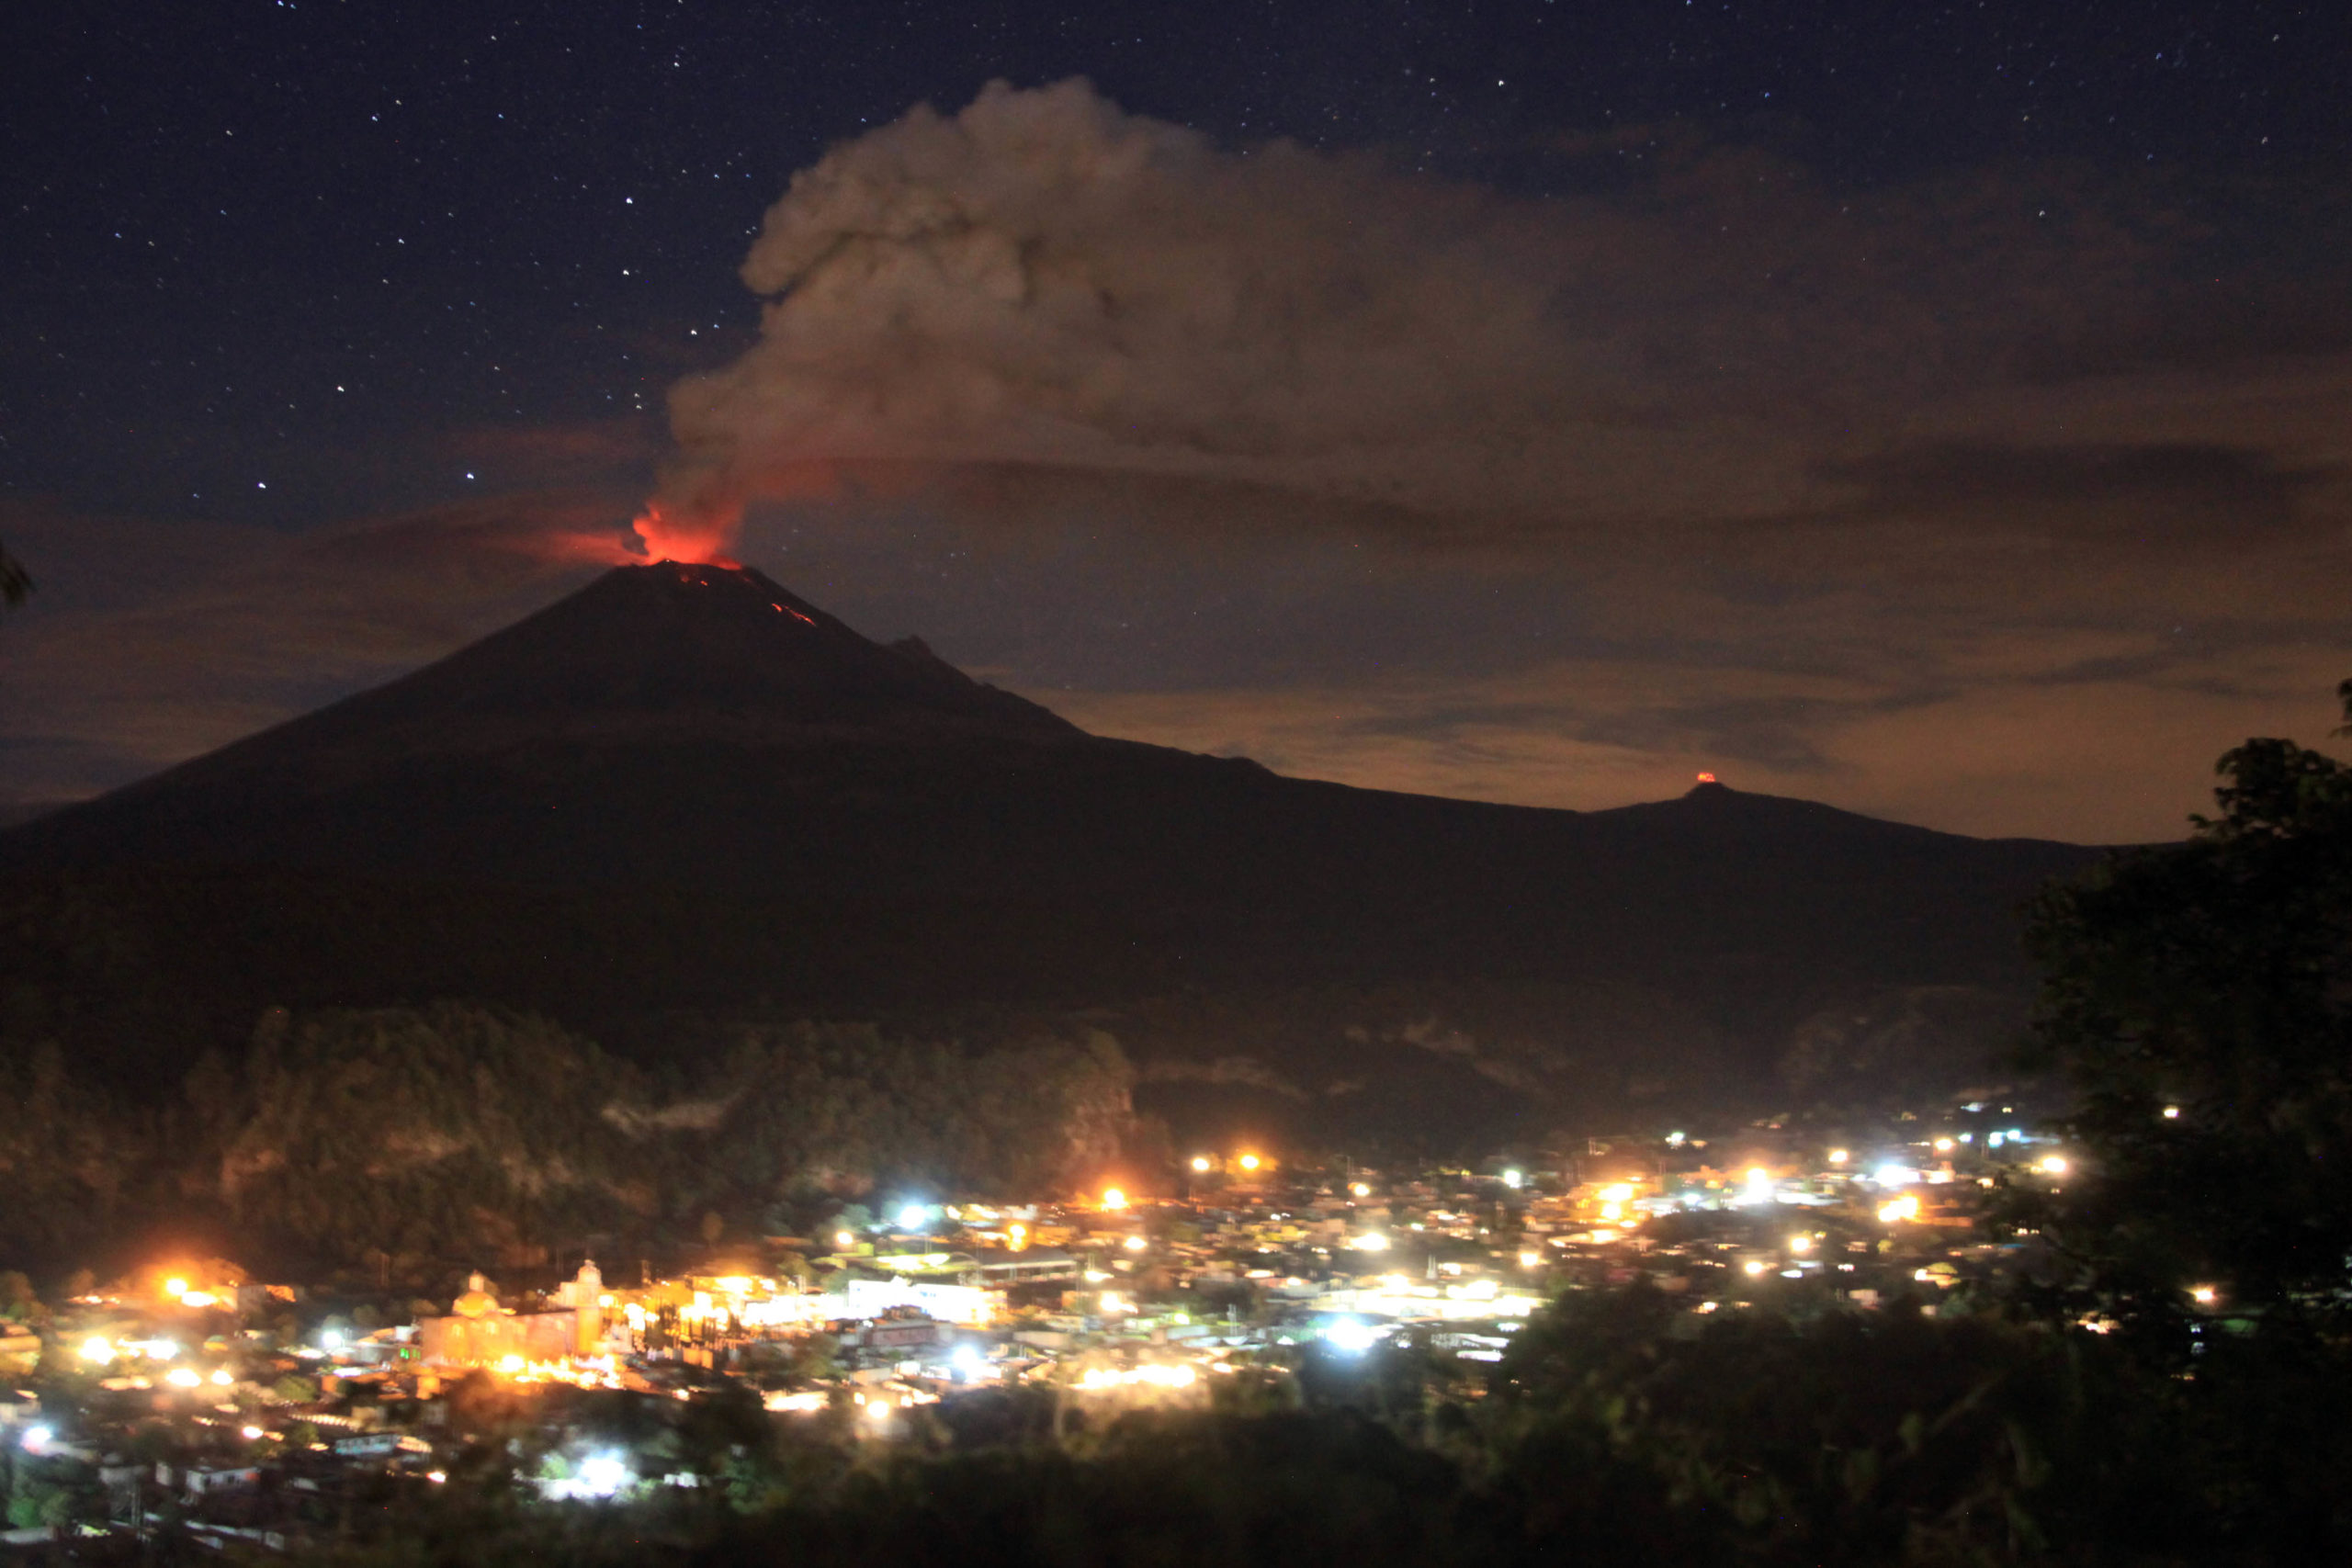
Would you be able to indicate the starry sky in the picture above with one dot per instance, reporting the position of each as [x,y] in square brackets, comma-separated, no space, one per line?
[1938,410]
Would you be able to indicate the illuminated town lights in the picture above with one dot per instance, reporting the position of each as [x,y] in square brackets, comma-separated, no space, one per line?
[182,1377]
[1136,1243]
[1250,1162]
[1754,1267]
[251,1434]
[1619,1193]
[2172,1112]
[1351,1335]
[95,1348]
[37,1438]
[1800,1244]
[1114,1199]
[1612,1211]
[1904,1208]
[198,1298]
[1360,1188]
[332,1339]
[223,1378]
[1529,1259]
[2054,1165]
[511,1364]
[2205,1295]
[1944,1145]
[176,1288]
[1839,1157]
[1094,1380]
[1514,1179]
[1201,1163]
[910,1217]
[1016,1235]
[844,1240]
[1112,1304]
[1371,1241]
[1676,1140]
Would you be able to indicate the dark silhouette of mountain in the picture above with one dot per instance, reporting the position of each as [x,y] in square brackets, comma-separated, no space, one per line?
[683,786]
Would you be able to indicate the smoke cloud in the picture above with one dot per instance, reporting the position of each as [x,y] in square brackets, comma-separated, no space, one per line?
[1042,280]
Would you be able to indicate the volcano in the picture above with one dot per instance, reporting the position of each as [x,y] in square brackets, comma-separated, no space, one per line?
[686,786]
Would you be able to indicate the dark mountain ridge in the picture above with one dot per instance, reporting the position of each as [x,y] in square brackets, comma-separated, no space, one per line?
[685,787]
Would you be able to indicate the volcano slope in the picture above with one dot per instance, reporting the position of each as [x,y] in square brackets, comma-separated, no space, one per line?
[683,787]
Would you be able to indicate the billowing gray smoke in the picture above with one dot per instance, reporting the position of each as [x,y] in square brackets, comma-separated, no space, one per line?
[1045,279]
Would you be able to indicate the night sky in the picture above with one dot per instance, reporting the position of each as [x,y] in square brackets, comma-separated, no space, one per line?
[1938,410]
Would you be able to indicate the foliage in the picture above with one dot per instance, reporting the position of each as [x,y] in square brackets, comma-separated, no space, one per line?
[2200,997]
[388,1138]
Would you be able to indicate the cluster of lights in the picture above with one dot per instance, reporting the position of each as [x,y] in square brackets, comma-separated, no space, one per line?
[181,1291]
[1096,1379]
[597,1371]
[1906,1207]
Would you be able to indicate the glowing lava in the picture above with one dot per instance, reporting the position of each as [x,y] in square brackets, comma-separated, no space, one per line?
[696,538]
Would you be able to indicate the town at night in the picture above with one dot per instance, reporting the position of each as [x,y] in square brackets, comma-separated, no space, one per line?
[1432,784]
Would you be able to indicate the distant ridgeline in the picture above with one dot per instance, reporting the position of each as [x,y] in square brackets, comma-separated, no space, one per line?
[414,1135]
[684,789]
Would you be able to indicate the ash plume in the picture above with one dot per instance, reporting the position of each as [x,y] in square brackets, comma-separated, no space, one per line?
[1044,281]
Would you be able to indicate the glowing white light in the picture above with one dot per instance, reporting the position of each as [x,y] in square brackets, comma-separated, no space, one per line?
[2172,1112]
[1754,1265]
[1136,1243]
[37,1438]
[251,1434]
[969,1363]
[182,1377]
[1360,1188]
[910,1217]
[601,1475]
[2054,1164]
[1893,1175]
[1201,1163]
[1839,1157]
[332,1339]
[1513,1178]
[95,1348]
[1351,1335]
[1372,1242]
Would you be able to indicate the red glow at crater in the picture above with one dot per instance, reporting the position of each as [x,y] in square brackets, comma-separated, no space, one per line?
[697,538]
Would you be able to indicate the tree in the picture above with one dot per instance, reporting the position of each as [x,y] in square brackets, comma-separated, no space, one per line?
[2199,997]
